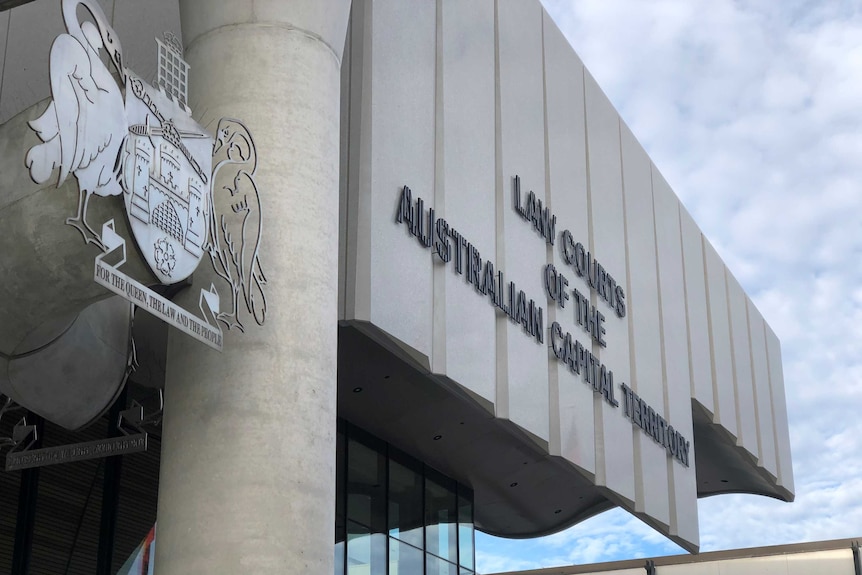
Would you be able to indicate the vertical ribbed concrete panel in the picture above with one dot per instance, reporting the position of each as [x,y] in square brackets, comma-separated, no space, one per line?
[464,325]
[651,473]
[356,182]
[675,359]
[344,168]
[572,417]
[522,362]
[697,320]
[724,397]
[4,30]
[779,412]
[763,394]
[741,352]
[247,477]
[614,448]
[402,94]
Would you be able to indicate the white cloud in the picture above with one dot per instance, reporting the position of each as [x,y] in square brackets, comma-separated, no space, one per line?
[753,112]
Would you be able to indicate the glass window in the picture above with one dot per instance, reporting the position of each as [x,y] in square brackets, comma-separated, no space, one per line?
[405,501]
[396,516]
[441,516]
[366,551]
[366,485]
[466,553]
[404,559]
[436,566]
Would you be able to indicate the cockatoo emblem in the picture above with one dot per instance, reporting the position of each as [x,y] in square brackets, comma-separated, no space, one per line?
[234,232]
[84,126]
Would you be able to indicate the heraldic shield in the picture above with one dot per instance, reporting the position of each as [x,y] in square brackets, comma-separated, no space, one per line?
[167,162]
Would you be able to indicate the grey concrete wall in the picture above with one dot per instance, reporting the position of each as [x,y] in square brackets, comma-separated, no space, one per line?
[455,99]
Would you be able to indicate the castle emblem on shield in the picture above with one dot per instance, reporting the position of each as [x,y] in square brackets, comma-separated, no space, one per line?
[166,167]
[126,137]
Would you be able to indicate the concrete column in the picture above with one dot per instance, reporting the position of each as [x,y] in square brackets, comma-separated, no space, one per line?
[248,448]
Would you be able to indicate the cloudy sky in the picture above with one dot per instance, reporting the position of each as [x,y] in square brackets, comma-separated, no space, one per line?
[752,110]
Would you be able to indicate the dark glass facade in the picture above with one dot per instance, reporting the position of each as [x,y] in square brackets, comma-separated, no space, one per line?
[396,516]
[81,518]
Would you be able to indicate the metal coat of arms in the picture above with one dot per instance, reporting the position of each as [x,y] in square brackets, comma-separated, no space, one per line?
[118,135]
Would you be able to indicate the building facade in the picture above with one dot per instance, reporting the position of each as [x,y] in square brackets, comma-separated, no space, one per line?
[394,267]
[837,557]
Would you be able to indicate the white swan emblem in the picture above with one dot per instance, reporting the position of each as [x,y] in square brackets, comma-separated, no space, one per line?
[84,126]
